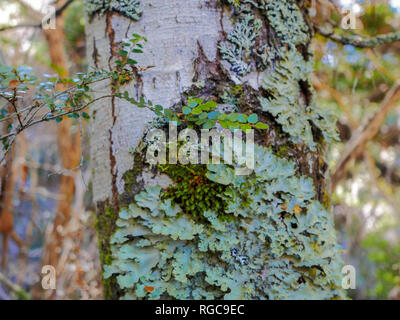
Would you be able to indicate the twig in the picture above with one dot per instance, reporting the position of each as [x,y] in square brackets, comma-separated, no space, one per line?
[45,118]
[358,41]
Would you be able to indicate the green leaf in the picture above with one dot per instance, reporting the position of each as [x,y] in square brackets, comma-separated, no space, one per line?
[194,102]
[132,61]
[242,118]
[222,116]
[85,115]
[253,118]
[261,125]
[209,105]
[186,110]
[203,115]
[209,124]
[123,53]
[245,126]
[197,110]
[233,117]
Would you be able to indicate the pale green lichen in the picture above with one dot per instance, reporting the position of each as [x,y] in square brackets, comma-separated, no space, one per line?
[290,97]
[129,8]
[280,242]
[296,117]
[281,245]
[240,44]
[287,20]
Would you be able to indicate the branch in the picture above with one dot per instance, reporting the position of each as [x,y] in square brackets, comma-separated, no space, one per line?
[32,122]
[365,133]
[358,41]
[59,11]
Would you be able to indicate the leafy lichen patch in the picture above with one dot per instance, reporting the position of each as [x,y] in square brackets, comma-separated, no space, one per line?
[278,226]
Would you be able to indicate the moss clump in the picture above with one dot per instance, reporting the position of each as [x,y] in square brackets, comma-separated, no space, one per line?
[105,226]
[131,184]
[193,192]
[326,199]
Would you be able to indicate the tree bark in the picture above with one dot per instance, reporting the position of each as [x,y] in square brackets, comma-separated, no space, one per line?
[254,57]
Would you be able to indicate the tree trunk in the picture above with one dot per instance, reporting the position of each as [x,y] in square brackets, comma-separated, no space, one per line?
[70,152]
[272,235]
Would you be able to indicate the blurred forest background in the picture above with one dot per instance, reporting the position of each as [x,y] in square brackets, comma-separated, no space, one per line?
[47,182]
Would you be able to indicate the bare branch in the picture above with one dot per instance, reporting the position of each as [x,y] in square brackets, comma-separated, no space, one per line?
[358,41]
[365,133]
[32,122]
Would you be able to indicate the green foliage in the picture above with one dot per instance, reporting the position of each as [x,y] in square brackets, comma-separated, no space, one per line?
[19,83]
[198,113]
[385,260]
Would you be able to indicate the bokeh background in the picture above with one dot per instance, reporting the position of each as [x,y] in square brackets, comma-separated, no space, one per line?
[51,193]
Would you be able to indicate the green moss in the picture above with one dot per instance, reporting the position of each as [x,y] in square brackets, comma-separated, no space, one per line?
[130,177]
[283,152]
[105,225]
[193,192]
[326,200]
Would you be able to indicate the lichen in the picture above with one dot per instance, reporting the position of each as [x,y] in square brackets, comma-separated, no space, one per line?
[129,8]
[241,42]
[261,236]
[281,244]
[296,118]
[287,20]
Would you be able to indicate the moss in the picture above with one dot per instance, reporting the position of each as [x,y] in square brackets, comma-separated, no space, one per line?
[283,152]
[22,295]
[326,200]
[105,225]
[193,192]
[130,177]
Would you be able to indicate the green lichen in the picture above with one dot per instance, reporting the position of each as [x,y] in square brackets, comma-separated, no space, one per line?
[278,241]
[287,86]
[240,45]
[280,246]
[289,94]
[287,21]
[129,8]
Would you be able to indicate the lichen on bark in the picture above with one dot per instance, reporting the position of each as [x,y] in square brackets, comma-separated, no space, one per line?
[280,242]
